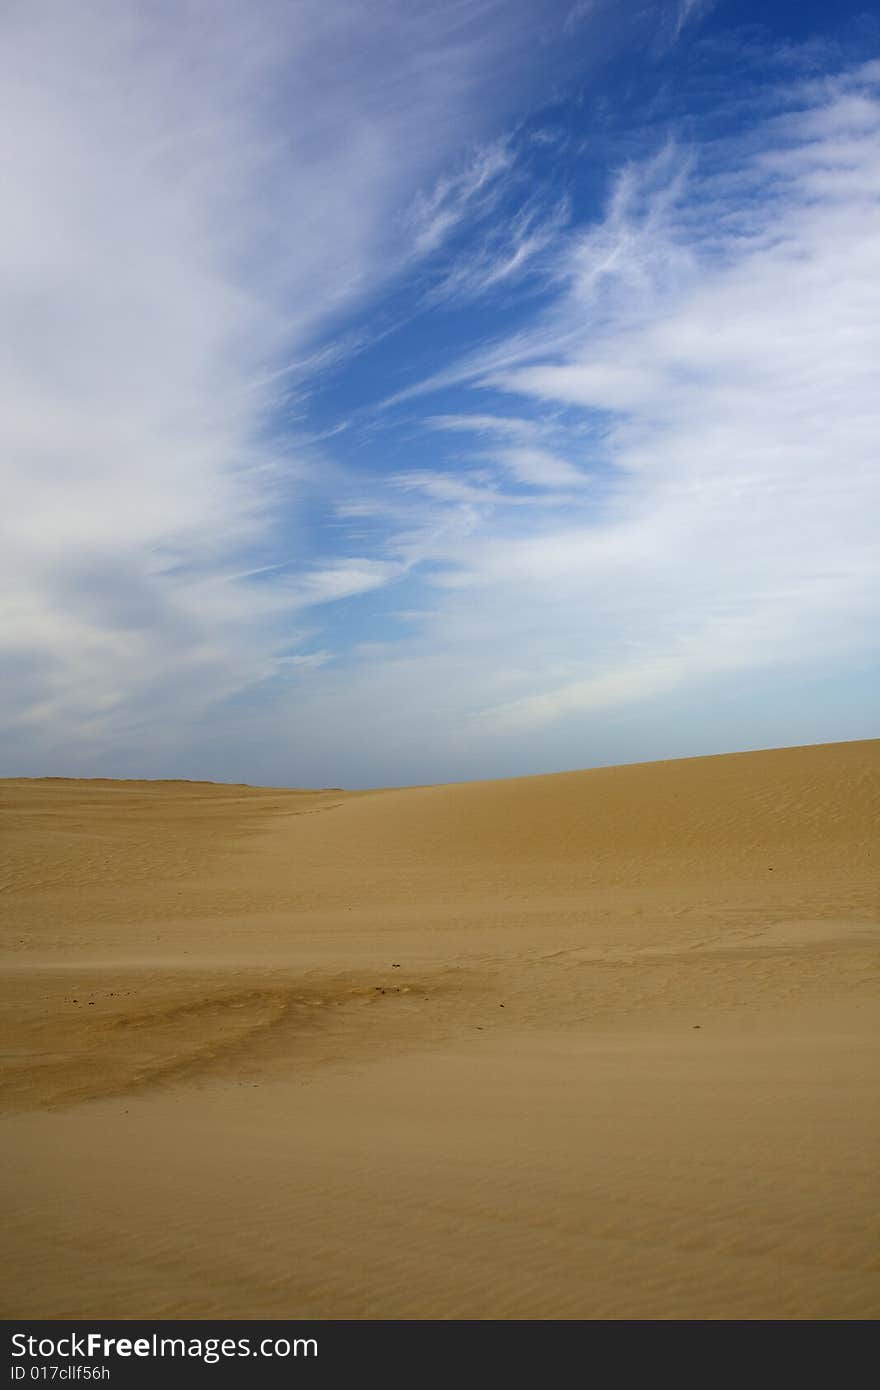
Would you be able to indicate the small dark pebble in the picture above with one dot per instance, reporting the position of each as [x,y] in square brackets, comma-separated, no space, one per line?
[696,1025]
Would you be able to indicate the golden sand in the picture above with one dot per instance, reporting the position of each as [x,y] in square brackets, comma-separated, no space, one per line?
[595,1045]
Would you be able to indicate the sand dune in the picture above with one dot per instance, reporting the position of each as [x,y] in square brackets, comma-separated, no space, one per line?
[594,1045]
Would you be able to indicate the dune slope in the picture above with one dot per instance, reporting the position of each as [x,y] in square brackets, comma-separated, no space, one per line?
[595,1045]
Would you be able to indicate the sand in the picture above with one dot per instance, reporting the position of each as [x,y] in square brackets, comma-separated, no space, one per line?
[595,1045]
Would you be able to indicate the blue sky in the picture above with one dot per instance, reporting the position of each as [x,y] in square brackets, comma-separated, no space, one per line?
[411,392]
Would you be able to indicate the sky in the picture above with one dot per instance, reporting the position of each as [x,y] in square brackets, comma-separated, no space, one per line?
[417,392]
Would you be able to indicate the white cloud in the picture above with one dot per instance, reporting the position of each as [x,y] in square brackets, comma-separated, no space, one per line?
[513,246]
[434,216]
[745,416]
[540,468]
[689,12]
[195,196]
[484,424]
[719,340]
[344,580]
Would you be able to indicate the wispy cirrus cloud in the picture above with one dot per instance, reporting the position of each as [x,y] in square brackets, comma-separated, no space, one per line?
[474,188]
[522,447]
[713,359]
[514,247]
[688,12]
[198,197]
